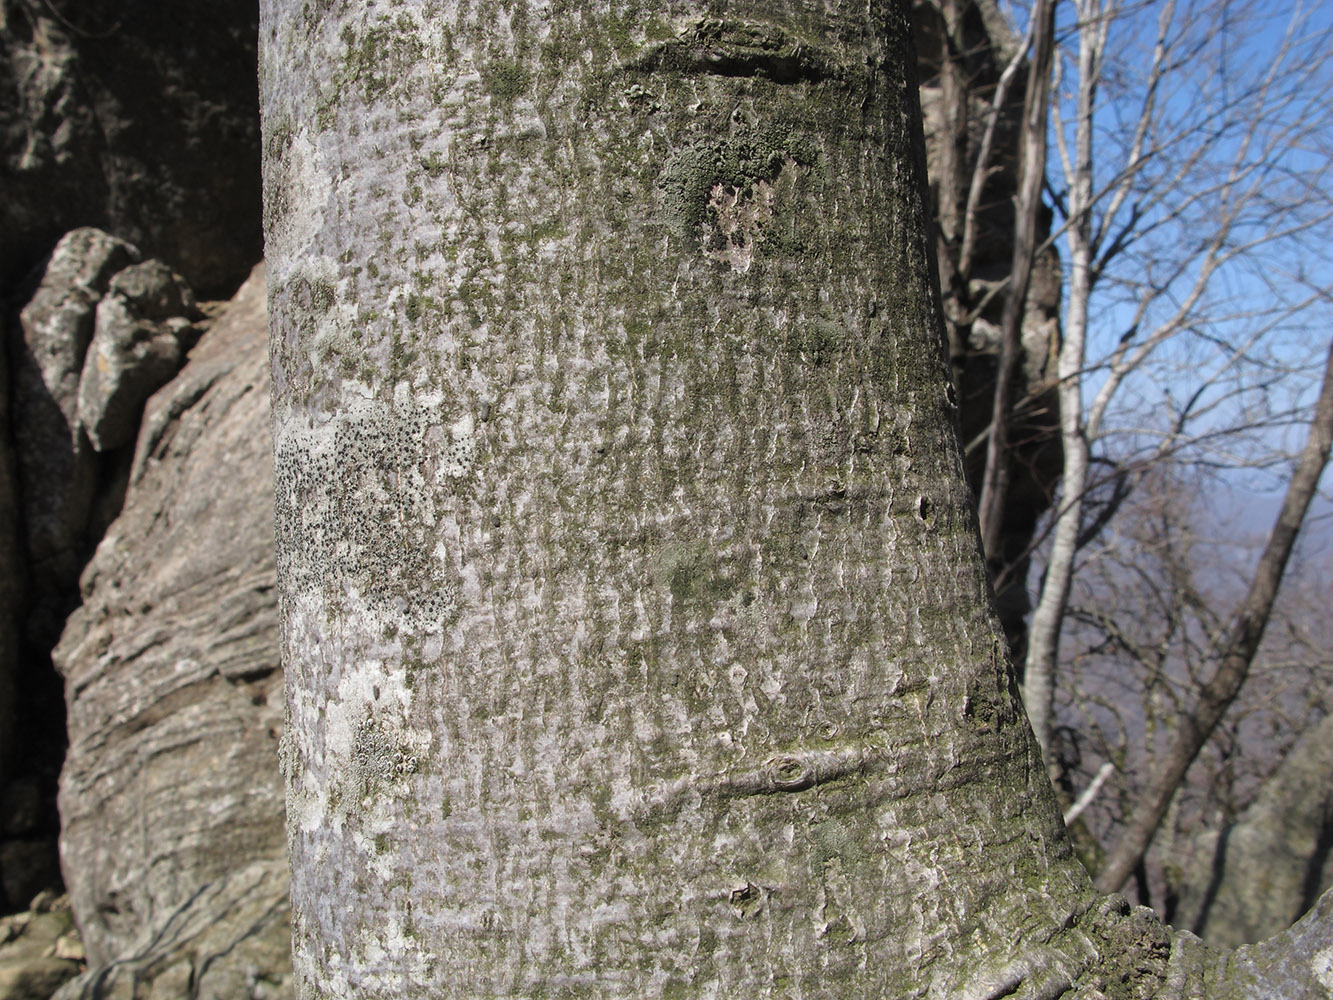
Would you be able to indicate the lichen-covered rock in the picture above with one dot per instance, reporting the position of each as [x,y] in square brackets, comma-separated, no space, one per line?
[37,950]
[142,332]
[172,840]
[56,468]
[57,322]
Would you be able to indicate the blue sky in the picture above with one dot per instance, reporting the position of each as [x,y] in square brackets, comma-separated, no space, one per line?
[1243,138]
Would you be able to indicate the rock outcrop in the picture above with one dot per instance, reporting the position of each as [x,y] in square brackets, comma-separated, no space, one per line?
[1252,879]
[172,840]
[59,473]
[136,117]
[101,332]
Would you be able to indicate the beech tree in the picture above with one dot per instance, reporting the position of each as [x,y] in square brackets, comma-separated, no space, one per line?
[637,637]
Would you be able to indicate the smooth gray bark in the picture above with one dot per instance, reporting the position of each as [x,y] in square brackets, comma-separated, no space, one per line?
[636,635]
[1043,649]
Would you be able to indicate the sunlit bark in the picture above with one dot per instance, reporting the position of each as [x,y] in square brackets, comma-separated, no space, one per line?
[635,629]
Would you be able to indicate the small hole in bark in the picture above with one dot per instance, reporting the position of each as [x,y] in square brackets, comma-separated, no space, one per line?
[748,899]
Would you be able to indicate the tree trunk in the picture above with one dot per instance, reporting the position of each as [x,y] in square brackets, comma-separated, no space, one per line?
[1027,210]
[636,637]
[1043,649]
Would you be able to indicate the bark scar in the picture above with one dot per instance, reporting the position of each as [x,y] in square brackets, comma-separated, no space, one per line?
[793,772]
[786,772]
[740,49]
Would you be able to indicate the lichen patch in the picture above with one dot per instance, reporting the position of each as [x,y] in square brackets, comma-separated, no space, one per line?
[738,222]
[379,755]
[461,454]
[378,510]
[1322,967]
[739,218]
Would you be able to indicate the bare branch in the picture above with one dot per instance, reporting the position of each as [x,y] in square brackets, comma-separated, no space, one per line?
[1083,801]
[1027,207]
[1235,653]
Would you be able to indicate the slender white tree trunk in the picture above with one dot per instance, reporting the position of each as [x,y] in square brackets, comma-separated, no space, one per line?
[1044,633]
[634,626]
[1044,636]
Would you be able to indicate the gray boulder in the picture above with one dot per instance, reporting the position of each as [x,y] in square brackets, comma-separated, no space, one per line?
[56,467]
[142,333]
[171,798]
[98,336]
[58,321]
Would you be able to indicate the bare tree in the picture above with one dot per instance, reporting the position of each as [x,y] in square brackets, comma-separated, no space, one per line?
[986,107]
[1152,606]
[1181,190]
[1234,651]
[1027,211]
